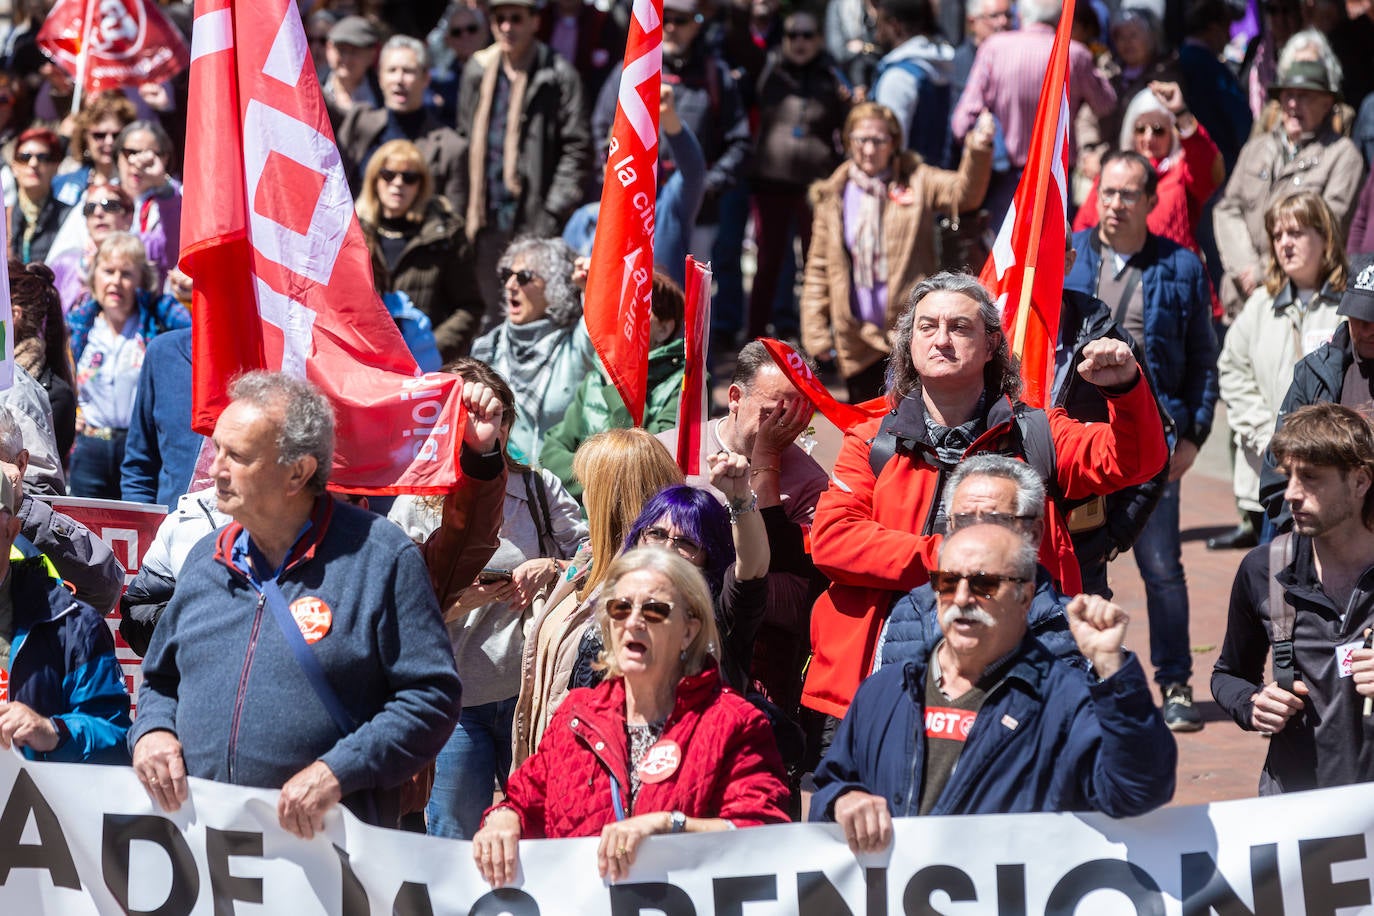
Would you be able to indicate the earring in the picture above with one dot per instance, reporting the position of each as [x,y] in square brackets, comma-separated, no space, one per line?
[682,656]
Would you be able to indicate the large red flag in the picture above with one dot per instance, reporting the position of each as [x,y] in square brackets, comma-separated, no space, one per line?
[282,275]
[621,277]
[127,42]
[1025,271]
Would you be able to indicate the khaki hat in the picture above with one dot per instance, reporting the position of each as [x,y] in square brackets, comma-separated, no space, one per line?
[1303,74]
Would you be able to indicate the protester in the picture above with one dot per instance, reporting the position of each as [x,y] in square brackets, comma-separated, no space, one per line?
[94,145]
[1210,88]
[873,240]
[360,595]
[144,151]
[663,690]
[1287,319]
[38,214]
[465,33]
[1094,741]
[162,450]
[542,347]
[982,18]
[952,395]
[40,344]
[351,53]
[586,36]
[421,241]
[107,208]
[1305,600]
[913,77]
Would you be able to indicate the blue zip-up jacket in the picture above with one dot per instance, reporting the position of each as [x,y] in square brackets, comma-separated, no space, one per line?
[161,451]
[1049,737]
[220,675]
[62,664]
[1180,346]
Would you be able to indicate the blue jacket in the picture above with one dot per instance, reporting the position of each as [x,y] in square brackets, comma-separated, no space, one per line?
[157,314]
[1180,347]
[161,450]
[912,630]
[62,664]
[1049,737]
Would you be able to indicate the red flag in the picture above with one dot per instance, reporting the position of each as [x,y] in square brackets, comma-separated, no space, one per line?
[691,406]
[128,42]
[620,281]
[1025,271]
[844,416]
[282,275]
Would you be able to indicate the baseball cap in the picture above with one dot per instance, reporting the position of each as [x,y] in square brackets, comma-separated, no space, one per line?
[357,31]
[1358,299]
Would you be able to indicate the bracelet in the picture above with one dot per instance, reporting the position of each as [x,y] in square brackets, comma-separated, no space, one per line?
[737,511]
[766,467]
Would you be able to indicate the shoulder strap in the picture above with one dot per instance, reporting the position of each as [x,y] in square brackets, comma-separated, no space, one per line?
[882,448]
[1281,613]
[310,665]
[536,497]
[1037,445]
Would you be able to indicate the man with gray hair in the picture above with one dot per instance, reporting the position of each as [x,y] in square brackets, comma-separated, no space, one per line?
[989,721]
[303,648]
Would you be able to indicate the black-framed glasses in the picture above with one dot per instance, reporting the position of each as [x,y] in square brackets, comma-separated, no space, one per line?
[407,178]
[651,611]
[1127,197]
[458,31]
[113,205]
[30,158]
[660,537]
[1007,520]
[799,35]
[981,584]
[522,277]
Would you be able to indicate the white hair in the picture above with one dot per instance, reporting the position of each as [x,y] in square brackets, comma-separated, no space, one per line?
[1046,11]
[1309,44]
[1145,102]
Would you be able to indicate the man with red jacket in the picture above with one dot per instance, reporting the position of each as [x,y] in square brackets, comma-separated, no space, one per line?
[952,389]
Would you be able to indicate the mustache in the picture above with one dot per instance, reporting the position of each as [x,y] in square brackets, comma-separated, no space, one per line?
[955,614]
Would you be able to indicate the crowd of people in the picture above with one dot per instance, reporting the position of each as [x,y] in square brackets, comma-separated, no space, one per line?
[579,640]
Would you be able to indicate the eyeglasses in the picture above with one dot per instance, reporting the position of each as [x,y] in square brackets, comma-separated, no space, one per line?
[870,141]
[981,584]
[407,178]
[678,20]
[102,135]
[651,611]
[522,277]
[30,158]
[799,35]
[1158,130]
[137,155]
[458,31]
[964,519]
[683,545]
[1129,198]
[113,205]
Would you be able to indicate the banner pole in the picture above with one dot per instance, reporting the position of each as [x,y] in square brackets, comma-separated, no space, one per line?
[82,58]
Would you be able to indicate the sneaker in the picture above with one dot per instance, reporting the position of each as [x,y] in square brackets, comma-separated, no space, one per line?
[1179,713]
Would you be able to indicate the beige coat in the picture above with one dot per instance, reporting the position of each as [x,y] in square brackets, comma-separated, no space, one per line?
[827,318]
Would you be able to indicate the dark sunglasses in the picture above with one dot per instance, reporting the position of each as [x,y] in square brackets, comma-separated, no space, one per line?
[511,18]
[650,611]
[1006,520]
[1160,129]
[677,20]
[102,134]
[522,277]
[799,35]
[113,205]
[407,178]
[47,158]
[982,584]
[458,31]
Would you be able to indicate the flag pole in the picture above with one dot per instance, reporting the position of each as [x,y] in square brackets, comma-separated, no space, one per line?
[82,57]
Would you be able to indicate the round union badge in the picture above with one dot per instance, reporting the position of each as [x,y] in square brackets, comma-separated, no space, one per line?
[313,617]
[661,762]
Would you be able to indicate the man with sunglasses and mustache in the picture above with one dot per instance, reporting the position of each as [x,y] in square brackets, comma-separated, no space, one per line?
[990,721]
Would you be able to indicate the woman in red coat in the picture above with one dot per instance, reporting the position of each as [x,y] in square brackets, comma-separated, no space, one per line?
[660,746]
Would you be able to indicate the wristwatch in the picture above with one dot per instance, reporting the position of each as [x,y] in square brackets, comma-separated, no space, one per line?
[678,821]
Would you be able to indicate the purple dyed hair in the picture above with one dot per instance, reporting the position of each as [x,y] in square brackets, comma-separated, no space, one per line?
[698,515]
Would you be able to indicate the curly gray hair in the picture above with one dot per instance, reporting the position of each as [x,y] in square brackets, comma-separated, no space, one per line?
[307,422]
[552,261]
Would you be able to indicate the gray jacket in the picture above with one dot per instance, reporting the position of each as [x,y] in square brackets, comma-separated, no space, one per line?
[27,400]
[84,561]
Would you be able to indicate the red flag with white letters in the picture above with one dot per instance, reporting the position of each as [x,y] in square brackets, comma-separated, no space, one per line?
[127,42]
[1025,271]
[620,282]
[282,277]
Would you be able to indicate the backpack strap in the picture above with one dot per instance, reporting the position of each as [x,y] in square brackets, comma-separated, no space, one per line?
[537,499]
[1281,613]
[882,448]
[1037,446]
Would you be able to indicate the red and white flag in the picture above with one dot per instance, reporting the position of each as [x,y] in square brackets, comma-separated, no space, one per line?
[1025,271]
[126,42]
[282,274]
[691,405]
[620,282]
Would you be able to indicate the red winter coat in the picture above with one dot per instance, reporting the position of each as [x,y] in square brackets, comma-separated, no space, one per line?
[867,535]
[730,765]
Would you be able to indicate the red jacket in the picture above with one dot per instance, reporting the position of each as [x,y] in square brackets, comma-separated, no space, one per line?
[868,535]
[730,766]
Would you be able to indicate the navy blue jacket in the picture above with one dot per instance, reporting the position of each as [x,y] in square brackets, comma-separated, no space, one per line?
[161,450]
[1049,737]
[62,664]
[1179,345]
[912,630]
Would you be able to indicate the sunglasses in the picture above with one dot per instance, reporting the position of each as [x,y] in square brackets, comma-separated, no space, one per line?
[1007,520]
[113,205]
[522,277]
[649,611]
[458,31]
[407,178]
[677,20]
[102,135]
[509,18]
[799,36]
[981,584]
[1153,129]
[683,545]
[30,158]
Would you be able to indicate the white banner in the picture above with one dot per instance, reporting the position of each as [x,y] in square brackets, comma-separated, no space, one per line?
[85,839]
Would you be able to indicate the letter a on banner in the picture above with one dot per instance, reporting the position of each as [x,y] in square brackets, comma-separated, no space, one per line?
[621,276]
[282,276]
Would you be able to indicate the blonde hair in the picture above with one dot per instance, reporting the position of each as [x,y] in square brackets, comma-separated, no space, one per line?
[128,245]
[692,596]
[1309,211]
[369,208]
[619,469]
